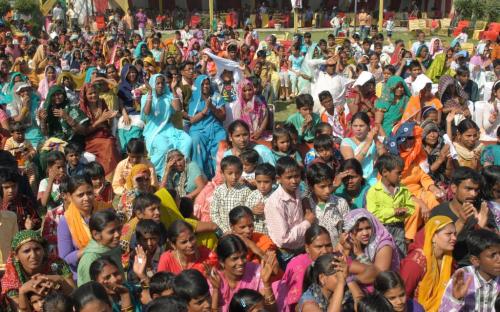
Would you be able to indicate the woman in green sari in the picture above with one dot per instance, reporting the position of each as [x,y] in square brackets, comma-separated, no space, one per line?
[440,66]
[391,105]
[8,89]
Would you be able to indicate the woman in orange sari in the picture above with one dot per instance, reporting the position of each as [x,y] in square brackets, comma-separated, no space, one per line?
[423,97]
[407,142]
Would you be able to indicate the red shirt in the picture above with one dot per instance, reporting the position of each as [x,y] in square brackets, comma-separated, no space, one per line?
[169,263]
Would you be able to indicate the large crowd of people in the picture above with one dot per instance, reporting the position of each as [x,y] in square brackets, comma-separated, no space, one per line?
[143,172]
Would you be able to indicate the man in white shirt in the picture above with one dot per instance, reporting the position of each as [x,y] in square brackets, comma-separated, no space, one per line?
[58,13]
[420,42]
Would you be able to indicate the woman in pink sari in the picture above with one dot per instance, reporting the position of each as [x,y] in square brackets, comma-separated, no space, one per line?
[49,79]
[252,110]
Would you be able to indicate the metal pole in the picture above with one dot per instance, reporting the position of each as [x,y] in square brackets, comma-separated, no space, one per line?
[211,13]
[295,20]
[161,6]
[380,15]
[355,15]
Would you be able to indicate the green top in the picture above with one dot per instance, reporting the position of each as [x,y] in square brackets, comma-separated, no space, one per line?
[382,204]
[297,120]
[393,111]
[92,252]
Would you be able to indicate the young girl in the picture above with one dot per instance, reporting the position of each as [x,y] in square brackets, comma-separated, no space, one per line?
[105,229]
[284,75]
[467,144]
[324,284]
[123,296]
[391,286]
[388,71]
[282,145]
[48,190]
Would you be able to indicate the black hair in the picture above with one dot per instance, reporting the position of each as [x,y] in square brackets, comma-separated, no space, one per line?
[183,65]
[428,110]
[390,68]
[307,35]
[462,71]
[176,228]
[100,219]
[323,141]
[228,245]
[481,239]
[374,303]
[286,163]
[244,300]
[236,124]
[389,162]
[146,226]
[321,127]
[414,64]
[461,174]
[231,160]
[265,169]
[167,304]
[17,126]
[304,100]
[324,95]
[322,41]
[313,232]
[491,176]
[142,201]
[239,212]
[465,125]
[319,172]
[57,302]
[330,36]
[75,182]
[360,67]
[322,265]
[186,207]
[291,128]
[89,292]
[388,280]
[277,133]
[160,282]
[261,53]
[72,148]
[9,176]
[136,146]
[54,156]
[94,170]
[361,116]
[98,265]
[354,164]
[249,155]
[190,284]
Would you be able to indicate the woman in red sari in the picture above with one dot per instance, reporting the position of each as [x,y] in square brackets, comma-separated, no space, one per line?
[99,140]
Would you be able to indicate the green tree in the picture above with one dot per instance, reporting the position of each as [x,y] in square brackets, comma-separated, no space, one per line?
[32,8]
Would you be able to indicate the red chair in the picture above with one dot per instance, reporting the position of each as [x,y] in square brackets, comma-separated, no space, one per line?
[195,20]
[494,27]
[489,35]
[461,25]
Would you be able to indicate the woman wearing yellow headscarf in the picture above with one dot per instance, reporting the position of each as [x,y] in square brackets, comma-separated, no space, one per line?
[429,264]
[137,182]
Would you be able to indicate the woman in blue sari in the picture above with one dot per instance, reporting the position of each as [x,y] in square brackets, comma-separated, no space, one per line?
[91,73]
[206,114]
[141,51]
[157,108]
[8,89]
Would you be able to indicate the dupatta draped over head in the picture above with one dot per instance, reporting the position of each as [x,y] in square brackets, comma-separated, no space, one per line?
[393,109]
[380,236]
[433,284]
[252,112]
[414,155]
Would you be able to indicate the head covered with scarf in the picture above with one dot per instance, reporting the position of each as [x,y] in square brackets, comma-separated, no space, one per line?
[252,111]
[15,274]
[379,238]
[136,171]
[407,142]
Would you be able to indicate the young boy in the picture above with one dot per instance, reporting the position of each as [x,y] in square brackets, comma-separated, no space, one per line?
[326,153]
[389,201]
[21,149]
[161,285]
[329,209]
[286,221]
[249,159]
[322,128]
[475,287]
[415,71]
[102,189]
[229,194]
[265,176]
[304,120]
[48,191]
[73,154]
[148,233]
[333,114]
[136,154]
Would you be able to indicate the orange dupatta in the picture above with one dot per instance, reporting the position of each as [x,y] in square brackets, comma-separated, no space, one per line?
[80,232]
[416,154]
[432,286]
